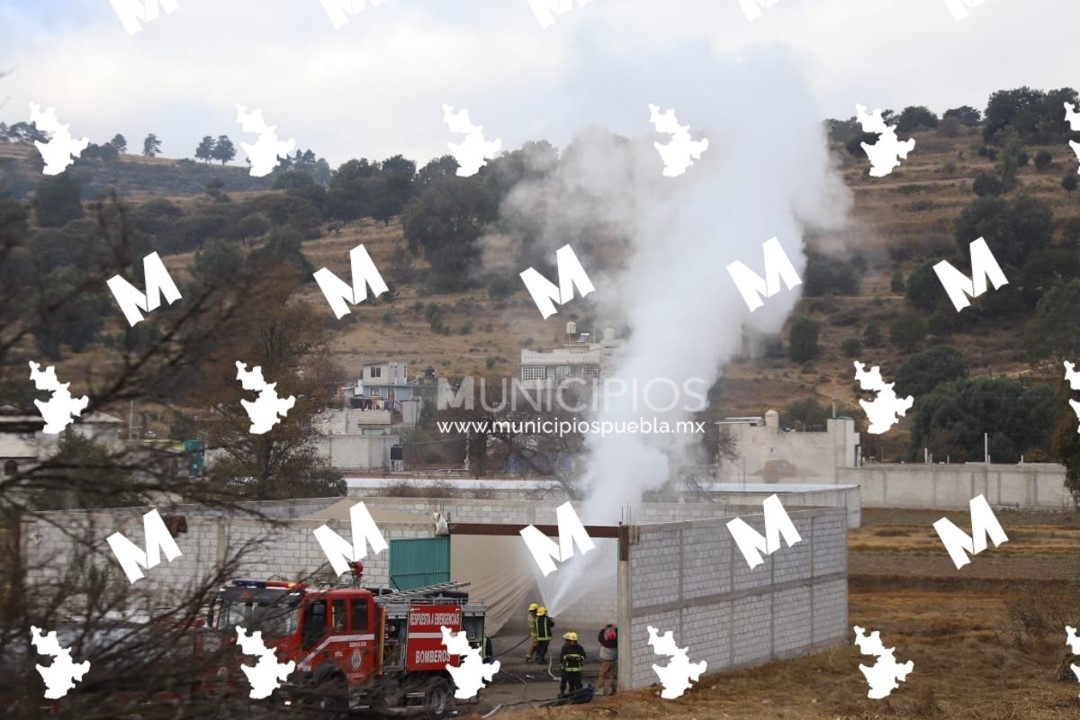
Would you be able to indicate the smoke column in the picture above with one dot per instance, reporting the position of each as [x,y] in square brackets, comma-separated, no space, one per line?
[766,173]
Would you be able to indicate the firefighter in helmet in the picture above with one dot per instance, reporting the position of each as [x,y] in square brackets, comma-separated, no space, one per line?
[544,626]
[533,607]
[571,661]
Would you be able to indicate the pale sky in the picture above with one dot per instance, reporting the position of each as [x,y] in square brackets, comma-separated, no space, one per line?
[375,87]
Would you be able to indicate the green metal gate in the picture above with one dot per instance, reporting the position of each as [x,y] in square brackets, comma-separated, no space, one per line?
[419,562]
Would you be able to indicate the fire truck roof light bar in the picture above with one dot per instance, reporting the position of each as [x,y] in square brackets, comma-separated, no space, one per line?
[262,584]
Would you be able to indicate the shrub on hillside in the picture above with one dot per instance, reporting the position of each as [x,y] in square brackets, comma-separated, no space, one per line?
[907,331]
[803,339]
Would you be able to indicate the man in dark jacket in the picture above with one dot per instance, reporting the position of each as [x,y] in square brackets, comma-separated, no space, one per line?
[609,651]
[544,626]
[571,662]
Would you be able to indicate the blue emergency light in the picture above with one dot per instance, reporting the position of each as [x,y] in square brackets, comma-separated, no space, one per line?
[249,583]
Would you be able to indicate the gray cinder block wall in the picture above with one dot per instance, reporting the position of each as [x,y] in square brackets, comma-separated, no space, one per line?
[692,579]
[1028,486]
[277,552]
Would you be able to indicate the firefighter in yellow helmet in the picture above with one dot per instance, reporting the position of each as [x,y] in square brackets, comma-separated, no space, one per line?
[533,607]
[544,625]
[571,662]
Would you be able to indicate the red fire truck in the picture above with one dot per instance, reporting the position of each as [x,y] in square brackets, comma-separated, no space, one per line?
[356,649]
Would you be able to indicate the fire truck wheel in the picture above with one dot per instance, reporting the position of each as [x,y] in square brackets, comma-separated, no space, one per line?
[333,698]
[437,700]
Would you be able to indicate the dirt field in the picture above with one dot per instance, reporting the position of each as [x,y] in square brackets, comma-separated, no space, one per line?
[986,640]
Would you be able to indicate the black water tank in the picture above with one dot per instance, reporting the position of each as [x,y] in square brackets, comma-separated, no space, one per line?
[397,452]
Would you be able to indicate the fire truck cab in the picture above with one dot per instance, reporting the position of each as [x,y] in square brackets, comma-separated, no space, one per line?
[356,649]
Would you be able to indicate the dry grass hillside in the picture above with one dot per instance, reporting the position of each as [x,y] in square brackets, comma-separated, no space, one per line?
[898,221]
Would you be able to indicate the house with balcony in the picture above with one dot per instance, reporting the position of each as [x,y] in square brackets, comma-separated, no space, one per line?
[385,385]
[580,357]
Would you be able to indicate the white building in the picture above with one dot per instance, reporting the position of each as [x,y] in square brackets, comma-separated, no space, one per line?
[769,453]
[354,440]
[579,357]
[23,443]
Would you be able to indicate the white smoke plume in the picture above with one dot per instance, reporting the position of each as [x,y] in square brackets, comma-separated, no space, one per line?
[767,172]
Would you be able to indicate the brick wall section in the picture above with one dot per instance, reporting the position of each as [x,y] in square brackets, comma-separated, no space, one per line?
[691,578]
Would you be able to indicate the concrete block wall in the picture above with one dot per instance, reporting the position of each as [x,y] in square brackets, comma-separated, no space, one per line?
[276,552]
[1029,486]
[543,513]
[692,579]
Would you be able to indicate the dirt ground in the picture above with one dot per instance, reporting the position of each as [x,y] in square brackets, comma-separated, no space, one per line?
[986,640]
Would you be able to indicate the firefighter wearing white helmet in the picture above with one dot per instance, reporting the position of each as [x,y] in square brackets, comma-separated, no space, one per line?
[572,660]
[533,607]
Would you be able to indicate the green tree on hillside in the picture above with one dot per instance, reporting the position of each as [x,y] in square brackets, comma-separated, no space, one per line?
[205,150]
[871,336]
[924,289]
[1012,152]
[444,223]
[966,114]
[1066,441]
[1054,332]
[218,261]
[953,417]
[829,276]
[1037,116]
[987,184]
[224,150]
[436,168]
[896,283]
[914,118]
[1012,229]
[907,331]
[119,142]
[803,339]
[1045,268]
[924,371]
[349,195]
[58,200]
[1069,182]
[806,414]
[71,323]
[152,146]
